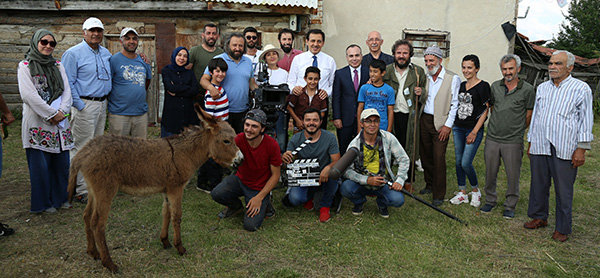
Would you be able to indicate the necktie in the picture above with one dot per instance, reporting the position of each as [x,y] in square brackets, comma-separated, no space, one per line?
[356,80]
[315,64]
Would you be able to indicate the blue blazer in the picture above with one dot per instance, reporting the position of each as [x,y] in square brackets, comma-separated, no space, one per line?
[344,97]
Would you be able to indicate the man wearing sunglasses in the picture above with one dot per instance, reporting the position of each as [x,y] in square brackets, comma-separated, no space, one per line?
[252,51]
[88,70]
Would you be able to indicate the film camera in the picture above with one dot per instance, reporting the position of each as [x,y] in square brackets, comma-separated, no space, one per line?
[270,98]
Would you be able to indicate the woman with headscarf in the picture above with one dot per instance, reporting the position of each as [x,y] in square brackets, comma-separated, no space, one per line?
[181,88]
[45,131]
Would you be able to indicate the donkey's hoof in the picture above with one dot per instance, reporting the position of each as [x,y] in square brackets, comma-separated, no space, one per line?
[112,267]
[94,254]
[166,244]
[181,250]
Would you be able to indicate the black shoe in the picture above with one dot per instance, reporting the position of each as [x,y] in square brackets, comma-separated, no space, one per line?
[286,201]
[437,202]
[270,209]
[337,202]
[383,211]
[358,209]
[204,187]
[81,198]
[227,212]
[425,191]
[5,230]
[486,208]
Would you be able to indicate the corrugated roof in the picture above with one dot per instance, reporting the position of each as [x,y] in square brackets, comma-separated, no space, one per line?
[301,3]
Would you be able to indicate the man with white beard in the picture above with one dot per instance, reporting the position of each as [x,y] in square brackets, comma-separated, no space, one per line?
[436,122]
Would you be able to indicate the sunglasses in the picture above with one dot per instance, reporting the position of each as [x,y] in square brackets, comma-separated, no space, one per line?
[251,37]
[46,42]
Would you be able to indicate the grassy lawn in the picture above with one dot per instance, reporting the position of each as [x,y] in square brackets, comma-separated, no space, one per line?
[415,241]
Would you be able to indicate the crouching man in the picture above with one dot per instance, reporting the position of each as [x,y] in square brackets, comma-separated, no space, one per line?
[255,178]
[324,147]
[368,173]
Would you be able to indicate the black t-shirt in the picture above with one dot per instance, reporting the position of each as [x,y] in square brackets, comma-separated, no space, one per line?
[471,104]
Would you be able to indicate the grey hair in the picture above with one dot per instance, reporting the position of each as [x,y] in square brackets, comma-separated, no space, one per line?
[506,58]
[570,57]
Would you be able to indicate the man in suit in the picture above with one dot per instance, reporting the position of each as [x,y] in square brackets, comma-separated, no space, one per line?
[409,82]
[346,83]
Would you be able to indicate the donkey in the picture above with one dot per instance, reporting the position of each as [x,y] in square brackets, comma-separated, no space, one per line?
[136,166]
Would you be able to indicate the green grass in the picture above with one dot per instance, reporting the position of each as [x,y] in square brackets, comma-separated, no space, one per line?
[415,241]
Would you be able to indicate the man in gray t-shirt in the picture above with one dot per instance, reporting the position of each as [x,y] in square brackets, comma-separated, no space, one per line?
[324,147]
[511,105]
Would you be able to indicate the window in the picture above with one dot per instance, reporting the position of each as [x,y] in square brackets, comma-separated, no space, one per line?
[421,39]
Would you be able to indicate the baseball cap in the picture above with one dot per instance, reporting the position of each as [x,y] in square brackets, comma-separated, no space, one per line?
[368,113]
[257,115]
[92,22]
[127,30]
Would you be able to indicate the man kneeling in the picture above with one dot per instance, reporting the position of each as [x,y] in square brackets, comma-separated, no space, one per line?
[368,173]
[324,147]
[255,178]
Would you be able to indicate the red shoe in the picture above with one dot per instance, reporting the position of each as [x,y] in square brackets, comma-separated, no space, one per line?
[309,205]
[324,214]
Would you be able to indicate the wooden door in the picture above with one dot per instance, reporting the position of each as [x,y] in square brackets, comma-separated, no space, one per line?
[146,45]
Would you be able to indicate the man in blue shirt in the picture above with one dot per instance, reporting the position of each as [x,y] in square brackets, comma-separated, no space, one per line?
[127,106]
[88,71]
[237,83]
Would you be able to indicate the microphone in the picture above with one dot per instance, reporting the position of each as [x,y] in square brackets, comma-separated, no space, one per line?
[341,165]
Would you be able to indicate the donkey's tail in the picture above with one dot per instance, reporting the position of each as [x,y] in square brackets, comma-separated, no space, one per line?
[73,171]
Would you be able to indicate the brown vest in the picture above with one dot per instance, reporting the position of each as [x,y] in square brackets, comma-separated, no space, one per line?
[442,101]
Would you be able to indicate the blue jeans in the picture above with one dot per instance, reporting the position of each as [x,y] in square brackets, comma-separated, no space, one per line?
[300,195]
[465,153]
[386,197]
[228,193]
[164,133]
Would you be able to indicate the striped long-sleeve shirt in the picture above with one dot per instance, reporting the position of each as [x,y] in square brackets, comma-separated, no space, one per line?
[218,108]
[562,117]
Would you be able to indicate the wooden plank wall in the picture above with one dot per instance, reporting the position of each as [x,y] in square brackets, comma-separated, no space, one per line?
[17,27]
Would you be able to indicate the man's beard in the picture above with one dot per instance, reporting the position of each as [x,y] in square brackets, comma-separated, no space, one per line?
[209,43]
[312,133]
[250,45]
[509,78]
[234,55]
[286,49]
[434,70]
[402,66]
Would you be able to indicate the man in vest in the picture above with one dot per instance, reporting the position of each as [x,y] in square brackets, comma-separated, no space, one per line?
[436,122]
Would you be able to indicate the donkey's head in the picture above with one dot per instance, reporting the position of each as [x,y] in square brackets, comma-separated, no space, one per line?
[221,138]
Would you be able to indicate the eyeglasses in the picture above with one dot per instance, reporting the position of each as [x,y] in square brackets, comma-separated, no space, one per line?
[46,42]
[101,71]
[251,38]
[371,122]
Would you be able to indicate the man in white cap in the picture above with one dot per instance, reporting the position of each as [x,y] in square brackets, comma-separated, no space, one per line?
[436,122]
[88,69]
[372,168]
[127,106]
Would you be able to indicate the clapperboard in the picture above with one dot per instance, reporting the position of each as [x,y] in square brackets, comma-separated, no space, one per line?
[303,172]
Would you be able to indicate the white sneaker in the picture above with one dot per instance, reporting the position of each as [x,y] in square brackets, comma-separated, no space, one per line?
[460,198]
[475,198]
[419,166]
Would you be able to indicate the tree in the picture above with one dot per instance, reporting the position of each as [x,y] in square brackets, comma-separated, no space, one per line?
[580,32]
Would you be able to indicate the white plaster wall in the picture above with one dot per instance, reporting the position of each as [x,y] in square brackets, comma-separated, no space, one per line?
[474,27]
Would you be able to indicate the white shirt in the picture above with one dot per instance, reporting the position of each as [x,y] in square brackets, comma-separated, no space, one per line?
[562,117]
[254,59]
[325,63]
[401,105]
[434,87]
[276,77]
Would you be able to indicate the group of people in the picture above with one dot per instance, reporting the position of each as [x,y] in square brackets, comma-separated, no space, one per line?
[391,110]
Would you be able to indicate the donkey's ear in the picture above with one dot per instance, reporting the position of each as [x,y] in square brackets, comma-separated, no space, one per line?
[207,120]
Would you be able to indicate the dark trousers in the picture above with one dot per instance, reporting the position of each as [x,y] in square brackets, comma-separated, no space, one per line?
[544,168]
[210,173]
[433,157]
[345,136]
[49,175]
[228,193]
[236,120]
[300,195]
[400,130]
